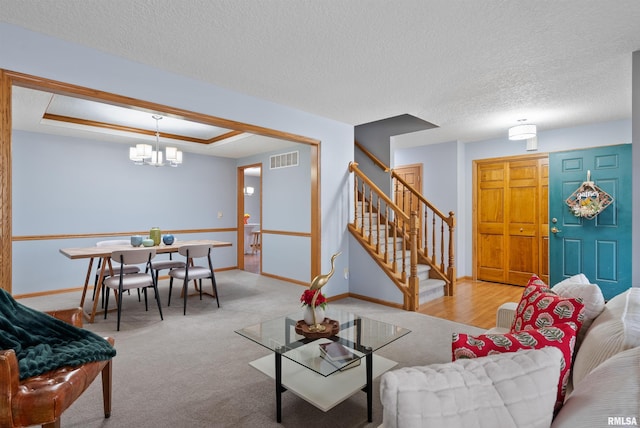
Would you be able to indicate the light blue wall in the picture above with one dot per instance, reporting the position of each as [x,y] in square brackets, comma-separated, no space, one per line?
[286,196]
[66,185]
[441,183]
[39,55]
[286,207]
[367,279]
[75,186]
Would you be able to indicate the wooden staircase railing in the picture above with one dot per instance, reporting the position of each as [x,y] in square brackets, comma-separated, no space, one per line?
[431,242]
[380,225]
[434,230]
[372,157]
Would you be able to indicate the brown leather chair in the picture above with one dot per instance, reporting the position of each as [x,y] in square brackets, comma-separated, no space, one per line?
[40,400]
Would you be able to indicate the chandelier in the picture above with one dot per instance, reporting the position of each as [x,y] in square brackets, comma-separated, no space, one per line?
[143,154]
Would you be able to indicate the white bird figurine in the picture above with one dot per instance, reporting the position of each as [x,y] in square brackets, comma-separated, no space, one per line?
[316,284]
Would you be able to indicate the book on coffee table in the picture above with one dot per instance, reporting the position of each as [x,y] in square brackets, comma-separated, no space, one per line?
[339,355]
[342,366]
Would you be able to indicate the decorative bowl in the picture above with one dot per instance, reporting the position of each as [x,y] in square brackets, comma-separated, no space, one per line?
[168,239]
[147,242]
[136,240]
[332,327]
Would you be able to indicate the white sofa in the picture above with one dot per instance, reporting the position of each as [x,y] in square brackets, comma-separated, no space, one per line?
[506,390]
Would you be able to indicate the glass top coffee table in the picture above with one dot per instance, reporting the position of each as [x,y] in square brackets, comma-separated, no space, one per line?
[320,380]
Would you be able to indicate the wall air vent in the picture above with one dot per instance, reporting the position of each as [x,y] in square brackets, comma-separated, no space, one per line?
[283,160]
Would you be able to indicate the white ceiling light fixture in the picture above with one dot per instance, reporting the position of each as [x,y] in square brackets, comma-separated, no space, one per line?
[248,191]
[143,154]
[524,131]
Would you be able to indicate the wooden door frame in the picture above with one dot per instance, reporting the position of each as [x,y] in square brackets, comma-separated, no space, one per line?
[10,78]
[474,201]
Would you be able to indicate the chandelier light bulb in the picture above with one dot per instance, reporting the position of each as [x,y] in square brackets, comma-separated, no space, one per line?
[144,154]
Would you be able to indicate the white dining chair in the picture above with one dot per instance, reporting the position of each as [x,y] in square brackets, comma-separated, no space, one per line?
[116,266]
[191,271]
[123,281]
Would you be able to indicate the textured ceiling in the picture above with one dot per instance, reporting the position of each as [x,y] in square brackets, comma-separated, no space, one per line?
[473,68]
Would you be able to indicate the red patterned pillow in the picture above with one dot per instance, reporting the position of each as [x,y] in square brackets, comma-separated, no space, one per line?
[561,336]
[541,307]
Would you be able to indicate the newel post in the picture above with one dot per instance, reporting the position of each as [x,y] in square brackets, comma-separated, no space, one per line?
[451,270]
[414,288]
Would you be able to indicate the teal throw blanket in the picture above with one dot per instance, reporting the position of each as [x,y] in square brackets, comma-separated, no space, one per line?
[43,343]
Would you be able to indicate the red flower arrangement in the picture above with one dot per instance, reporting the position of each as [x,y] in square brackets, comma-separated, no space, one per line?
[307,297]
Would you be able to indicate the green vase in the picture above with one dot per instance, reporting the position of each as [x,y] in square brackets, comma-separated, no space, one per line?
[156,235]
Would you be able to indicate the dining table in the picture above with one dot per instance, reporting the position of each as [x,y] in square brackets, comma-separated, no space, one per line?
[104,253]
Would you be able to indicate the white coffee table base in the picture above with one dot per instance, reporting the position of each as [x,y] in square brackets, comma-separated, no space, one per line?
[323,392]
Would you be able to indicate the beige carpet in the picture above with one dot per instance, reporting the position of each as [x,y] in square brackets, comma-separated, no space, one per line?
[193,370]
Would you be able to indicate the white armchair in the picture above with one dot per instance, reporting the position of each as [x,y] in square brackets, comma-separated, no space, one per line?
[504,317]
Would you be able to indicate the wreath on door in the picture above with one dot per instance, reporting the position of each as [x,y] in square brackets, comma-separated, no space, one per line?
[588,200]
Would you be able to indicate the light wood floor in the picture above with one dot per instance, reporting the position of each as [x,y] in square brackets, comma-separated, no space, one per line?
[474,302]
[252,262]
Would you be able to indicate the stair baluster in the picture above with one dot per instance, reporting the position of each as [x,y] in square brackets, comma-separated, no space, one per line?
[411,238]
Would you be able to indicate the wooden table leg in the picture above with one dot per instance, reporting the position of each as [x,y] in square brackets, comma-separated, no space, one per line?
[86,283]
[92,316]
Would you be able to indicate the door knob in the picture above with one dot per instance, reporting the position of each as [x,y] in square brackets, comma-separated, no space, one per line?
[555,230]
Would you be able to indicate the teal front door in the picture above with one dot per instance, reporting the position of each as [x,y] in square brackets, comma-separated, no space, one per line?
[599,247]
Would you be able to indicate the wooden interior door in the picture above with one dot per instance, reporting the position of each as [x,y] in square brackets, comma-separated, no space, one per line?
[491,179]
[522,221]
[510,215]
[412,175]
